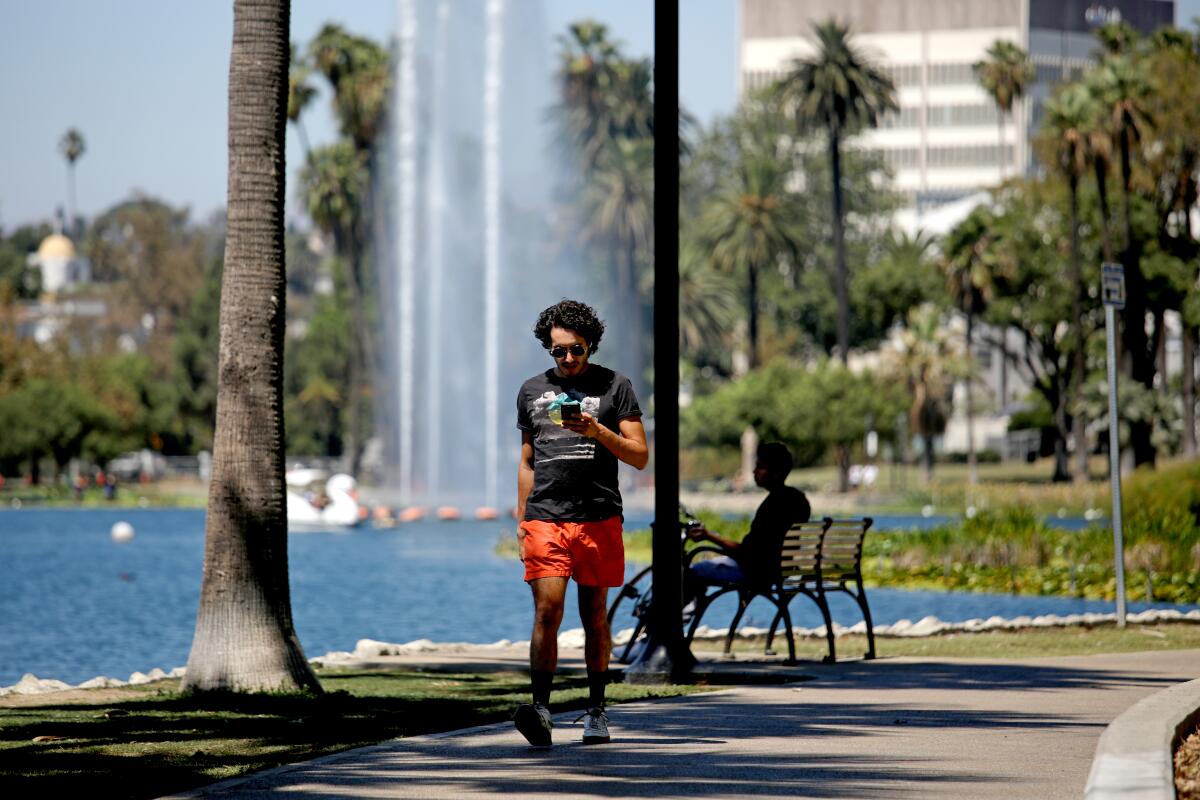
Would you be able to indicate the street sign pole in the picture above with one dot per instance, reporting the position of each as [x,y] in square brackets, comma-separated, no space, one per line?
[1113,292]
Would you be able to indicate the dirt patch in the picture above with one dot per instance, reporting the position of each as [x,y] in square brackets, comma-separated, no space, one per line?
[1187,768]
[117,694]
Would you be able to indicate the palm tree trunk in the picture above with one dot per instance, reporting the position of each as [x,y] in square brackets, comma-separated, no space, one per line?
[1000,148]
[1079,426]
[245,639]
[972,465]
[1189,391]
[69,228]
[839,246]
[1102,193]
[637,350]
[928,438]
[752,313]
[842,454]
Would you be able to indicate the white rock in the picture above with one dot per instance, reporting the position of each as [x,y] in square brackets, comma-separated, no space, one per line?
[571,638]
[927,626]
[32,684]
[178,672]
[101,682]
[369,648]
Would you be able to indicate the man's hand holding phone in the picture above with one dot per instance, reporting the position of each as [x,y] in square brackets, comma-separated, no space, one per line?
[574,418]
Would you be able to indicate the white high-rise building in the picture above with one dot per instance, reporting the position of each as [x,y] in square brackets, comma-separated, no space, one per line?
[944,143]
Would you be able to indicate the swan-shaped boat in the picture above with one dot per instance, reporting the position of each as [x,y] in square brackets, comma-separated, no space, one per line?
[336,506]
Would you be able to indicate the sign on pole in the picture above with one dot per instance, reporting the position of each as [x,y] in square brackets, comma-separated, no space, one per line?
[1112,291]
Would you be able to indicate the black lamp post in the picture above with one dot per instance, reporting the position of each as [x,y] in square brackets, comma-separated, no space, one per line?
[665,657]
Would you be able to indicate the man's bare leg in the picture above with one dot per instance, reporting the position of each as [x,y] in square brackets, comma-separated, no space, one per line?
[533,719]
[597,640]
[548,596]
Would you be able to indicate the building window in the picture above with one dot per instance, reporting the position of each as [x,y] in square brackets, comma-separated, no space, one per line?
[978,155]
[951,74]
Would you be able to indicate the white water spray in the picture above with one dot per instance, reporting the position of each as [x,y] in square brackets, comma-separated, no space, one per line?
[491,274]
[435,231]
[406,159]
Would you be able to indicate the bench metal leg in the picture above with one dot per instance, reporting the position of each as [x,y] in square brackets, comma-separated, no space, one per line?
[782,611]
[823,604]
[767,651]
[743,602]
[861,597]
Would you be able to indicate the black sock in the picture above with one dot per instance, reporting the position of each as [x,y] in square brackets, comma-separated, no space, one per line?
[542,680]
[596,683]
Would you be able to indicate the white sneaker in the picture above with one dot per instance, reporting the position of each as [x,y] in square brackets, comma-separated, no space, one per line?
[534,723]
[595,728]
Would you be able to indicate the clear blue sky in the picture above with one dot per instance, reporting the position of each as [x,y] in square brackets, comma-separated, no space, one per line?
[145,81]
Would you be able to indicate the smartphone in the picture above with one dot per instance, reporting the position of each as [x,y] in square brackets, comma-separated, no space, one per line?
[570,410]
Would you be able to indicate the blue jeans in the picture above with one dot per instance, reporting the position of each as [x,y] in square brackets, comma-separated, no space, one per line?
[721,569]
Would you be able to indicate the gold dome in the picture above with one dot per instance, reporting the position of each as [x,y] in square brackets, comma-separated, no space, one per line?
[56,246]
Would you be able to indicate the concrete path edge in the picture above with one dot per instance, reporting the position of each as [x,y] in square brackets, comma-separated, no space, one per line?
[1135,755]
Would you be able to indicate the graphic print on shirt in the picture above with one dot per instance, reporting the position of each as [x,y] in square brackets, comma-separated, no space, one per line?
[559,443]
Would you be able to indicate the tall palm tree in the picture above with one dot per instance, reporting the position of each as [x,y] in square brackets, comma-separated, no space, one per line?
[751,226]
[837,90]
[707,299]
[1123,88]
[619,207]
[1100,153]
[1005,75]
[1062,144]
[605,96]
[929,362]
[72,147]
[245,639]
[359,71]
[300,94]
[969,262]
[336,185]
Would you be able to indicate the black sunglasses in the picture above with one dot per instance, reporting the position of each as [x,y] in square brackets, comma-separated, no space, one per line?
[576,350]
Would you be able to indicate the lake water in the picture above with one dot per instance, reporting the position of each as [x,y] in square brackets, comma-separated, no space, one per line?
[74,604]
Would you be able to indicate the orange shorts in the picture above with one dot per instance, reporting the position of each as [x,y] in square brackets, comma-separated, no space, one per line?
[592,553]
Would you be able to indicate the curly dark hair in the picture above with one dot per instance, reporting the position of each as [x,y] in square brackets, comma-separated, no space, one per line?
[573,316]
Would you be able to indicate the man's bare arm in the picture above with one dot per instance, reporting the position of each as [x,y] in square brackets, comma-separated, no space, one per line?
[628,445]
[524,485]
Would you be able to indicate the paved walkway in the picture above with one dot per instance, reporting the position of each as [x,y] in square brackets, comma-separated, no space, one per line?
[904,727]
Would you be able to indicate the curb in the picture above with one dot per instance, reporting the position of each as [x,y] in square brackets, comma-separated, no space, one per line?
[1135,755]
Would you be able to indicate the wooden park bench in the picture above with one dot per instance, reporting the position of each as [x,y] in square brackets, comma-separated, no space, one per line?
[817,558]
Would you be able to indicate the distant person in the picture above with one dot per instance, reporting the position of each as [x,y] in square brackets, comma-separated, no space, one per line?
[755,559]
[110,487]
[577,420]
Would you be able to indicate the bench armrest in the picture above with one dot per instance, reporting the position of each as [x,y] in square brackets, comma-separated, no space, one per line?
[704,548]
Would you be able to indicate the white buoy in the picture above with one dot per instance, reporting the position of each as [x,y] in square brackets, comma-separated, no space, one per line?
[927,511]
[122,532]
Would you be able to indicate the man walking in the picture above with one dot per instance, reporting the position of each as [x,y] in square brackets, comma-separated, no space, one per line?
[577,420]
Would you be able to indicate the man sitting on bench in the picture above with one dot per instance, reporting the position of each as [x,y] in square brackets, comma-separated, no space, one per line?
[755,559]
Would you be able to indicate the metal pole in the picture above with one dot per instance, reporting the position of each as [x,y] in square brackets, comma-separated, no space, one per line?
[665,658]
[1114,460]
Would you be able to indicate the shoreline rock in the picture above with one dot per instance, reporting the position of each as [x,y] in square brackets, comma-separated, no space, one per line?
[573,638]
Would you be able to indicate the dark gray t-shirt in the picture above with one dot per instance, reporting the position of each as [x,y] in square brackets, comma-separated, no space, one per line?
[574,477]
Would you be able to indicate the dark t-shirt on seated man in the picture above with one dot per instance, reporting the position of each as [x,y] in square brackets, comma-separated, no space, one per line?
[779,511]
[574,480]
